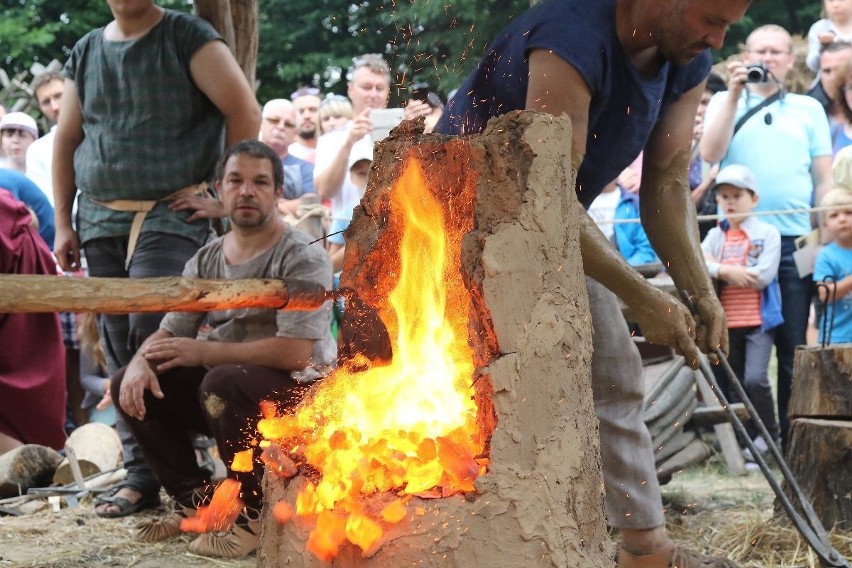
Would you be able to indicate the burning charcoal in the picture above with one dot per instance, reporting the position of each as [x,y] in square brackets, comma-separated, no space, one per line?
[394,512]
[243,461]
[220,514]
[362,531]
[327,536]
[279,462]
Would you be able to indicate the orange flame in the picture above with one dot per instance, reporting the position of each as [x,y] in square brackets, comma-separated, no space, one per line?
[408,427]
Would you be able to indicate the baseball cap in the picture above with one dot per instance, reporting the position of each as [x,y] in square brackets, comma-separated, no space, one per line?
[362,150]
[19,121]
[738,176]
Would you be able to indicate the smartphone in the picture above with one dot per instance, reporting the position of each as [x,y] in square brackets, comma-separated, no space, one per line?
[384,120]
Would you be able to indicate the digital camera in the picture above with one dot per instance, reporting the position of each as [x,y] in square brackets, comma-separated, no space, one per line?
[757,73]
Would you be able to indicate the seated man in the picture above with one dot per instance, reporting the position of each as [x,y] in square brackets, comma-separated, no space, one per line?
[177,385]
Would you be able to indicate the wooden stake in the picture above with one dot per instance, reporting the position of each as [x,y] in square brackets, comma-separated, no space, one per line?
[32,293]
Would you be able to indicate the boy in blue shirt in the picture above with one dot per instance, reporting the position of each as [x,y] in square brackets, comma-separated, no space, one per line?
[834,262]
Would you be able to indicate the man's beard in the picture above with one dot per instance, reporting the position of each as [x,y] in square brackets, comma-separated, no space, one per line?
[308,134]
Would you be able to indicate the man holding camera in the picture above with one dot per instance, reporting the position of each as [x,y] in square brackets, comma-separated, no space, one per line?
[787,144]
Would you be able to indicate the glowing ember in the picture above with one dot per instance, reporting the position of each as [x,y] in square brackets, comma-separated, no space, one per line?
[220,514]
[408,427]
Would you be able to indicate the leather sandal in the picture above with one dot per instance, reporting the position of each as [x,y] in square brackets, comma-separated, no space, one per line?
[125,507]
[671,557]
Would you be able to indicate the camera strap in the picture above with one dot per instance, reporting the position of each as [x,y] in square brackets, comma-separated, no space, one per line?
[766,102]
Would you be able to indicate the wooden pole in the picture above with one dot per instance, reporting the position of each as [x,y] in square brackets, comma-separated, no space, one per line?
[36,293]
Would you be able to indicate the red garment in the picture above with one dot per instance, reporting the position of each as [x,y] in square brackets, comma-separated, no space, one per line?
[32,354]
[741,305]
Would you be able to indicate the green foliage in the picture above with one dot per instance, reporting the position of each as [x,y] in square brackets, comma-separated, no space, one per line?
[796,16]
[312,42]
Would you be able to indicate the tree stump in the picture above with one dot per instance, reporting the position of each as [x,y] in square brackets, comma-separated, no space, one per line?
[541,501]
[97,448]
[819,454]
[823,382]
[819,451]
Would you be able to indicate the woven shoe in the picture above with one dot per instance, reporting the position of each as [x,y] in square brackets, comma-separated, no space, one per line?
[168,526]
[240,541]
[163,528]
[671,557]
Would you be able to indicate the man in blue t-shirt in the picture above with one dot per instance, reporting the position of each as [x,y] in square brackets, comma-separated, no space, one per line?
[630,75]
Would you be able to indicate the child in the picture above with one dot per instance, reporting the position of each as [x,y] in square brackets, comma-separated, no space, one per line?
[743,253]
[835,261]
[360,160]
[836,26]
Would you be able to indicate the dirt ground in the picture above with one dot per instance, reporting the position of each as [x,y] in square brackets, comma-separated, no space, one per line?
[707,508]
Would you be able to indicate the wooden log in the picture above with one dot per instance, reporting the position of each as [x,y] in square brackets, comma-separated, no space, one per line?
[820,458]
[97,448]
[33,293]
[711,415]
[696,452]
[27,466]
[823,385]
[540,503]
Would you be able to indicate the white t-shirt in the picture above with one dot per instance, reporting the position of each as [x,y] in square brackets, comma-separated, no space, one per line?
[40,163]
[328,145]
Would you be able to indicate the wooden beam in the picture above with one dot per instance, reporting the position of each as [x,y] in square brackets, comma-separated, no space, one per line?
[712,415]
[36,293]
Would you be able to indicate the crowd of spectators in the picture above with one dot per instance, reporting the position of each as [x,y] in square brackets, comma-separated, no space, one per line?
[133,188]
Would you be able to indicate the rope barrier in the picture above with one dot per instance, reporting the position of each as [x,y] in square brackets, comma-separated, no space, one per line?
[738,215]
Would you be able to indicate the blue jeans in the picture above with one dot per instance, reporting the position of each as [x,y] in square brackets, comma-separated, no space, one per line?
[156,254]
[796,295]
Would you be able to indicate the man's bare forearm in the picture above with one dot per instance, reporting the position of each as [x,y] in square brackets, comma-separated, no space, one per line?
[603,262]
[287,354]
[64,187]
[669,218]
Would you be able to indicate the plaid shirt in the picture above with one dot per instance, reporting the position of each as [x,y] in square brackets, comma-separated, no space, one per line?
[148,130]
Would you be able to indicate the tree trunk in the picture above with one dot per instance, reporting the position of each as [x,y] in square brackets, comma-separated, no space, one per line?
[823,385]
[820,458]
[236,21]
[540,503]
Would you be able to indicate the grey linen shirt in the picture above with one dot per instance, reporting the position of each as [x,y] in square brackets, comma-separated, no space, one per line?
[292,257]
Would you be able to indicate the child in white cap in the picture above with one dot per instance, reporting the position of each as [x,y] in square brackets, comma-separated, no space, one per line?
[17,131]
[743,254]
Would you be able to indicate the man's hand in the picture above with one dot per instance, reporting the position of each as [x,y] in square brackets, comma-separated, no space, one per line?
[204,207]
[174,352]
[666,321]
[360,126]
[66,248]
[712,332]
[138,378]
[737,76]
[415,108]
